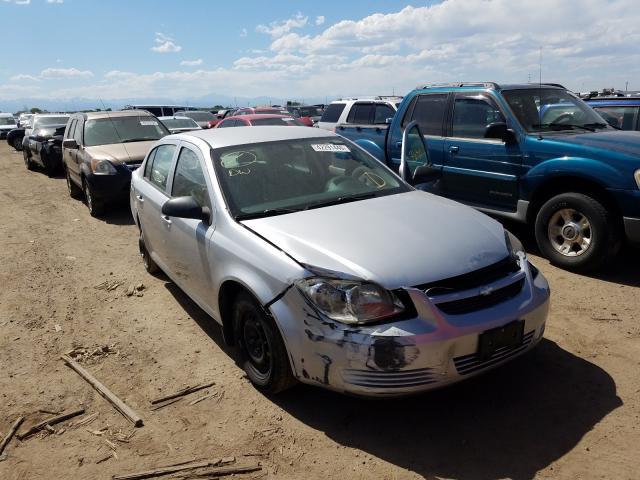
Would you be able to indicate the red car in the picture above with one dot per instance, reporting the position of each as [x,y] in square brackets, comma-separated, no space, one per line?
[256,120]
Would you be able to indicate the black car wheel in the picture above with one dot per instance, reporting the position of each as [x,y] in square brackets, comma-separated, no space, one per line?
[17,143]
[576,232]
[149,265]
[27,160]
[263,353]
[49,168]
[72,188]
[95,206]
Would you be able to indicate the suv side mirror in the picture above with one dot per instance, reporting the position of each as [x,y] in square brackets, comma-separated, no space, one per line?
[500,131]
[415,165]
[186,207]
[70,143]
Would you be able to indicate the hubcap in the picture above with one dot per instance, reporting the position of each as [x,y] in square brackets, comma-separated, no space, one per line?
[570,232]
[256,344]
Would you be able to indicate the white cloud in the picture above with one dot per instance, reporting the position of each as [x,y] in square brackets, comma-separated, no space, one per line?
[65,73]
[243,32]
[165,44]
[55,1]
[278,29]
[191,63]
[22,77]
[18,2]
[320,19]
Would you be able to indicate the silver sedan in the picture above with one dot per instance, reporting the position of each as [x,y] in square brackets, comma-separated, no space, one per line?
[325,267]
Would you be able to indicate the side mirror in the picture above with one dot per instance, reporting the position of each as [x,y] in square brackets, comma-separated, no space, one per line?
[70,143]
[415,165]
[186,207]
[500,131]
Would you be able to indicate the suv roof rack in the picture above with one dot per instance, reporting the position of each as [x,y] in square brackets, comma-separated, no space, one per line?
[459,84]
[376,97]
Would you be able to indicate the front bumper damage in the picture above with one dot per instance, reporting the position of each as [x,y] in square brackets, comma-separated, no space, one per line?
[429,351]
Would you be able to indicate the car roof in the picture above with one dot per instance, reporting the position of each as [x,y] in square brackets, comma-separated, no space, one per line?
[227,137]
[256,116]
[175,117]
[116,113]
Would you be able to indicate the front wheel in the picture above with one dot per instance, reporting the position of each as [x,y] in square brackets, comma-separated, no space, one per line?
[264,355]
[27,160]
[72,188]
[149,265]
[17,143]
[95,206]
[576,232]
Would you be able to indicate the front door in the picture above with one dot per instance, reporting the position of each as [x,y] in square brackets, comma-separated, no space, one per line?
[479,170]
[188,240]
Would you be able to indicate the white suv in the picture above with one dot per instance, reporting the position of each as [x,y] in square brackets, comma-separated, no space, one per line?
[359,111]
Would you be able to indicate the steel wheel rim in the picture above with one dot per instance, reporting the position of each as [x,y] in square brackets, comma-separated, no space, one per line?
[569,232]
[256,344]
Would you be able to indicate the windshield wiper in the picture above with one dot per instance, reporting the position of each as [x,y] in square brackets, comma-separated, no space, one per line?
[138,140]
[564,126]
[600,125]
[340,200]
[270,212]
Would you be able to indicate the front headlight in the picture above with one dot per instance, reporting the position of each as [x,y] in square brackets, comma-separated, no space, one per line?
[514,246]
[637,177]
[103,167]
[350,301]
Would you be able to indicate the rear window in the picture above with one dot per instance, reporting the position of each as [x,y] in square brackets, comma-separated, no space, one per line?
[277,122]
[428,111]
[333,112]
[361,113]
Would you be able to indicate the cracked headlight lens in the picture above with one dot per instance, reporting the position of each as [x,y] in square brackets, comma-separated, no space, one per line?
[350,301]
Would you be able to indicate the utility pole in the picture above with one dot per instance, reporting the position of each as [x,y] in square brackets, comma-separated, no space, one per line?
[626,86]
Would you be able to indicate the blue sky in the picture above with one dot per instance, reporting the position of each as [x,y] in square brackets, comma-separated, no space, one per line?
[197,49]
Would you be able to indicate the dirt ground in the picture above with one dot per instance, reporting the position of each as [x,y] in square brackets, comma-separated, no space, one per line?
[568,410]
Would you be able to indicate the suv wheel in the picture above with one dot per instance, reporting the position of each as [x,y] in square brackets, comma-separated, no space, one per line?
[17,143]
[72,188]
[27,160]
[263,353]
[575,231]
[149,265]
[95,206]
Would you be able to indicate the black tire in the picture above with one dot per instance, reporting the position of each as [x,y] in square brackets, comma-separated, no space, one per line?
[72,188]
[568,222]
[263,353]
[27,160]
[95,206]
[149,265]
[17,143]
[49,169]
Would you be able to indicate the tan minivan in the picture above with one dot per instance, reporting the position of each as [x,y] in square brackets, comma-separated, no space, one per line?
[101,149]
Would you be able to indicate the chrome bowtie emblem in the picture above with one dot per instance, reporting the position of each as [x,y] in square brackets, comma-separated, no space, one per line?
[486,291]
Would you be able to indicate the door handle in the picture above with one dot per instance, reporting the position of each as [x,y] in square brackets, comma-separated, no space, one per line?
[140,198]
[454,149]
[166,219]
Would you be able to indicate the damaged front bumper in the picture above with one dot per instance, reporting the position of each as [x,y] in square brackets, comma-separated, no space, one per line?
[408,356]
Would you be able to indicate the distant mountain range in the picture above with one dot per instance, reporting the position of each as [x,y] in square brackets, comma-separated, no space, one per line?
[76,104]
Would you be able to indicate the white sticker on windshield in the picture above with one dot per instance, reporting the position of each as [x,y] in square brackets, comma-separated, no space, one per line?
[329,147]
[146,123]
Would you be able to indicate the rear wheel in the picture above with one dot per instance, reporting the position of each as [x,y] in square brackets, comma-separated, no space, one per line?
[149,265]
[17,143]
[27,160]
[95,206]
[264,355]
[576,232]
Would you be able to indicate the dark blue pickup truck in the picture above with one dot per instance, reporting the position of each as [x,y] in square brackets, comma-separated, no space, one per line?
[533,153]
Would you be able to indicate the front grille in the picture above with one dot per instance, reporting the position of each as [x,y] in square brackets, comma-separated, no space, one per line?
[480,302]
[477,278]
[377,379]
[467,364]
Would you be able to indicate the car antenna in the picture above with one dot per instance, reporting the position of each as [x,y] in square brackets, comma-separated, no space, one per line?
[113,124]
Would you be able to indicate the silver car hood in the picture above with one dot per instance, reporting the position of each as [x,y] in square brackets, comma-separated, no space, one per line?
[132,152]
[397,240]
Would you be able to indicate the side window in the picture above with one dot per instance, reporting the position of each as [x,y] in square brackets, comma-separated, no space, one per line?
[149,163]
[241,123]
[161,165]
[71,126]
[361,113]
[622,117]
[333,112]
[383,111]
[227,124]
[77,134]
[429,111]
[472,114]
[189,178]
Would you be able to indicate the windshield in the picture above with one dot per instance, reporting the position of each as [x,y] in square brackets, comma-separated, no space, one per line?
[310,111]
[180,123]
[107,131]
[552,109]
[200,116]
[286,121]
[44,121]
[272,178]
[7,121]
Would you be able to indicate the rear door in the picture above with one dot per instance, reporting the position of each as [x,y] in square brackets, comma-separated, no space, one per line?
[479,170]
[429,111]
[188,238]
[150,195]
